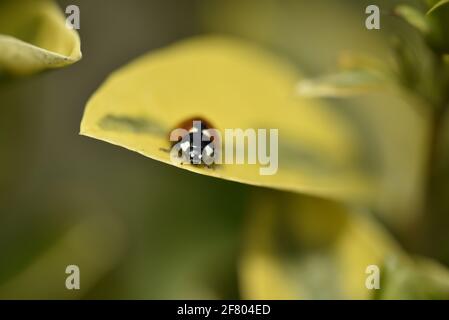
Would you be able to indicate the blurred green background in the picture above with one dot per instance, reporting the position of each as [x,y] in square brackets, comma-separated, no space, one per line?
[141,229]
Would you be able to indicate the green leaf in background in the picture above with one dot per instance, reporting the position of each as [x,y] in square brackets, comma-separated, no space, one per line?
[438,17]
[433,25]
[345,83]
[34,37]
[419,278]
[438,5]
[414,17]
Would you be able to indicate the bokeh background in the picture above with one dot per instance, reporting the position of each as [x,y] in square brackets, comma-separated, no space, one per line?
[142,229]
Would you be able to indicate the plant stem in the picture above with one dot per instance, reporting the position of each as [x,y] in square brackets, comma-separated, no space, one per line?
[436,204]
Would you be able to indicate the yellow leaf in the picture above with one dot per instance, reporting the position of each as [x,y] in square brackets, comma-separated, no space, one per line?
[34,37]
[232,84]
[298,247]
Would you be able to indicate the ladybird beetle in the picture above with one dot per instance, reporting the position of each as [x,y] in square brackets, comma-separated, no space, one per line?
[198,140]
